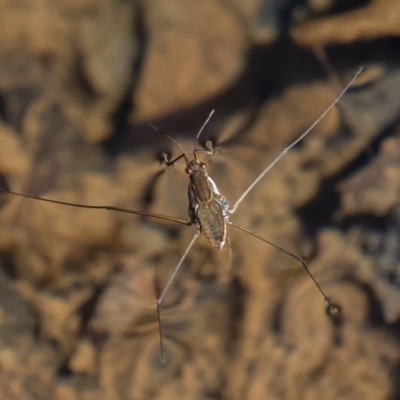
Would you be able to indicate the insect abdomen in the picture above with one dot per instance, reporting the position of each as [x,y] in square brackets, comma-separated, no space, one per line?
[211,219]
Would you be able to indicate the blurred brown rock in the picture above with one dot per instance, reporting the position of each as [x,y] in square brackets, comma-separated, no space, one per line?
[79,80]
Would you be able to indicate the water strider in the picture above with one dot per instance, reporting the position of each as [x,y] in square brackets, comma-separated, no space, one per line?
[209,211]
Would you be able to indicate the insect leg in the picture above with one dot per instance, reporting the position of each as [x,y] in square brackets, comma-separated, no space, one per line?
[246,192]
[209,149]
[332,307]
[108,208]
[171,162]
[184,154]
[162,295]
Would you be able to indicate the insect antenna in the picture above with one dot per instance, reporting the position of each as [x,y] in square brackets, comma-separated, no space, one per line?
[183,155]
[201,130]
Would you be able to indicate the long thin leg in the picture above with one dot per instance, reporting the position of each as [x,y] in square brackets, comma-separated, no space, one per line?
[168,162]
[209,150]
[246,192]
[108,208]
[332,308]
[162,295]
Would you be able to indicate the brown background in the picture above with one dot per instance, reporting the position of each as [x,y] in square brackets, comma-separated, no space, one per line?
[80,80]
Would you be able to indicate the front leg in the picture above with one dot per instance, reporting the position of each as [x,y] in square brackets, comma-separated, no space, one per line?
[167,161]
[209,148]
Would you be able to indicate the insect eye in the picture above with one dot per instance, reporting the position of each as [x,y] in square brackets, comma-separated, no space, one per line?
[188,170]
[203,166]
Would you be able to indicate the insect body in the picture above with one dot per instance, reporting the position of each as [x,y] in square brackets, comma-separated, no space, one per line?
[208,209]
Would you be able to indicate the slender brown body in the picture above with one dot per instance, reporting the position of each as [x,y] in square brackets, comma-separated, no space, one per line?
[208,209]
